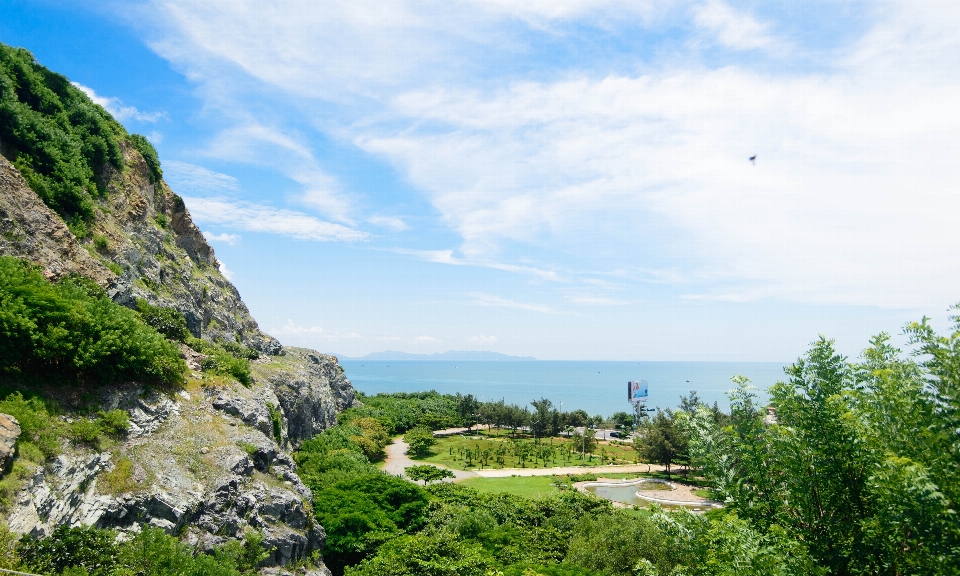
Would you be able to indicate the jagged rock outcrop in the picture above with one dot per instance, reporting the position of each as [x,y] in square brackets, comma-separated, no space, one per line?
[311,389]
[202,462]
[9,432]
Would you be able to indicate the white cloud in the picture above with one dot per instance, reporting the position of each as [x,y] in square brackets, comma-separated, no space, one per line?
[116,108]
[261,218]
[447,257]
[482,340]
[425,339]
[259,144]
[389,222]
[493,301]
[190,179]
[850,201]
[230,239]
[311,333]
[732,28]
[228,274]
[291,328]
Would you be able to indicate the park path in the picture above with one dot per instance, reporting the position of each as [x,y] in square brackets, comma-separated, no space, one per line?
[397,461]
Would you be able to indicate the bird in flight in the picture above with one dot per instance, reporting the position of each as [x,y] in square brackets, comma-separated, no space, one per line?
[753,159]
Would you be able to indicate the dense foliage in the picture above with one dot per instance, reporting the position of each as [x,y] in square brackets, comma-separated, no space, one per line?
[72,332]
[862,462]
[167,321]
[95,552]
[61,139]
[149,153]
[225,358]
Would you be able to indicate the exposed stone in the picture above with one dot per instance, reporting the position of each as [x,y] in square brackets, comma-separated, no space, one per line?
[311,389]
[9,432]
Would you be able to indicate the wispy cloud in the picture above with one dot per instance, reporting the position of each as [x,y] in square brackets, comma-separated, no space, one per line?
[118,110]
[493,301]
[733,28]
[228,274]
[390,222]
[192,180]
[261,218]
[308,333]
[447,257]
[425,339]
[230,239]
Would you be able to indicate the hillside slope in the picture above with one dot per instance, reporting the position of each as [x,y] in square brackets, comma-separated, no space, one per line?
[209,461]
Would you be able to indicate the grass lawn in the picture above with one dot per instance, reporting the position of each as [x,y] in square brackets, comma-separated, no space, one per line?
[527,486]
[467,453]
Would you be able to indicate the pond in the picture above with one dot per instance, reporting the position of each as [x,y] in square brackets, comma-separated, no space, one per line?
[626,493]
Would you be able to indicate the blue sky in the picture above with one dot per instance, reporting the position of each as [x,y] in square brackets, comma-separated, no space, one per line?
[567,179]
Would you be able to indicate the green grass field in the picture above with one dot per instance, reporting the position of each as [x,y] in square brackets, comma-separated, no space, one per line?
[502,451]
[527,486]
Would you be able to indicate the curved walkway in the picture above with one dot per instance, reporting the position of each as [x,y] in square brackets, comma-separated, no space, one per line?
[397,461]
[680,495]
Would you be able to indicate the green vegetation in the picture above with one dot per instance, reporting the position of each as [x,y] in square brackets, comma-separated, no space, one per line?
[226,359]
[419,439]
[494,451]
[149,153]
[861,464]
[71,332]
[62,140]
[95,552]
[167,321]
[526,486]
[427,473]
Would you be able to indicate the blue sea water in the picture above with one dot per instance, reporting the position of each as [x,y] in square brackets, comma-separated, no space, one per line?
[595,386]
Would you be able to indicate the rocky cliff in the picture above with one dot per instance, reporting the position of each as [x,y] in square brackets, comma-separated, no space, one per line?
[208,462]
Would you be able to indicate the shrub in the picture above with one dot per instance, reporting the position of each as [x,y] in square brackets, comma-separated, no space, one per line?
[62,331]
[149,153]
[167,321]
[88,548]
[114,422]
[38,427]
[240,351]
[276,422]
[224,363]
[161,220]
[100,242]
[62,140]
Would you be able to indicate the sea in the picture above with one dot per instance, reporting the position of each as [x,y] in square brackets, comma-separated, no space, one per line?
[595,386]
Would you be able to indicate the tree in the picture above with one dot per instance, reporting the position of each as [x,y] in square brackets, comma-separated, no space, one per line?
[585,443]
[660,441]
[468,406]
[427,473]
[541,419]
[373,437]
[420,439]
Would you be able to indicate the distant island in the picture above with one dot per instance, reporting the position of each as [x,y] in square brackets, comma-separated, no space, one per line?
[448,355]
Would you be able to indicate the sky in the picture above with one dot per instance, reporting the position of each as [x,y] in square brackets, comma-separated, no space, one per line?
[564,179]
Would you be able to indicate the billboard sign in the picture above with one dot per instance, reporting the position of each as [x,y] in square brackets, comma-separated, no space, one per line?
[637,391]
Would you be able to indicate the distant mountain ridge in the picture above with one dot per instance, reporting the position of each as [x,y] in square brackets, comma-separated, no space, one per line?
[448,355]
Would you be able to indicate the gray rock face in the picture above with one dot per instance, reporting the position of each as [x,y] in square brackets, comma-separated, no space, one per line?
[9,432]
[201,464]
[310,387]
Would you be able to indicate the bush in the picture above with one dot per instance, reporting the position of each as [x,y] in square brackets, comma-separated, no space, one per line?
[222,362]
[62,140]
[88,548]
[38,427]
[149,153]
[167,321]
[61,331]
[240,351]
